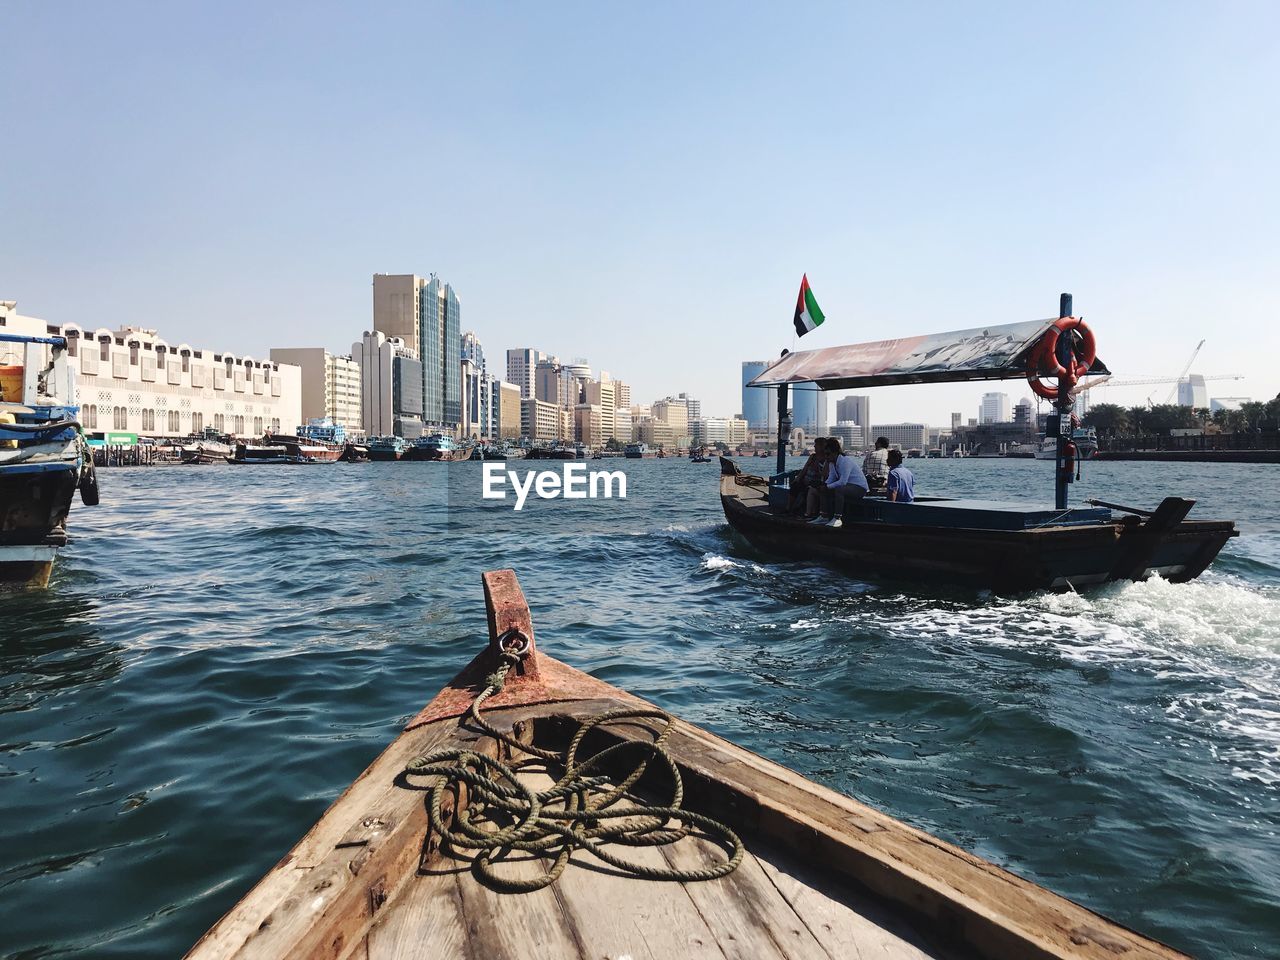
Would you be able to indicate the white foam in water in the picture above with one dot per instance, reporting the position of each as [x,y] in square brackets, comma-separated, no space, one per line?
[716,563]
[712,561]
[1215,632]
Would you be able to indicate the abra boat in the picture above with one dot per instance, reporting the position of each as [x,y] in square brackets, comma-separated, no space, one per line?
[437,446]
[386,448]
[730,855]
[43,457]
[1006,545]
[638,451]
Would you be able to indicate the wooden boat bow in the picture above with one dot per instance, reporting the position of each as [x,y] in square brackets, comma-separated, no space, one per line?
[824,876]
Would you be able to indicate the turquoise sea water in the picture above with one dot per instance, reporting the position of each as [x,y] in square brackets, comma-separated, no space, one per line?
[222,650]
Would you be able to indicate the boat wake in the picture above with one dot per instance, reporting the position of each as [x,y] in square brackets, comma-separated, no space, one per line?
[1211,646]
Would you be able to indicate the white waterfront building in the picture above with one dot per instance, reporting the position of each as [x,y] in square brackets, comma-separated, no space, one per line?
[132,382]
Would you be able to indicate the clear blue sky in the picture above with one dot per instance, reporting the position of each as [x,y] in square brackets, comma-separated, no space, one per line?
[644,184]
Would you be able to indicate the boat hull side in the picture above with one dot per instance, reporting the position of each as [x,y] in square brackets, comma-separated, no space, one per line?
[1059,558]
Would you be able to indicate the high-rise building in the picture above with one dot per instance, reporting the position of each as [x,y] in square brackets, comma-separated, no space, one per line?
[601,393]
[994,408]
[472,427]
[852,436]
[427,316]
[396,308]
[693,406]
[588,427]
[757,402]
[621,410]
[673,412]
[807,404]
[574,377]
[1193,392]
[330,385]
[478,391]
[905,436]
[541,421]
[1227,403]
[521,364]
[956,420]
[727,430]
[390,386]
[547,384]
[506,410]
[853,409]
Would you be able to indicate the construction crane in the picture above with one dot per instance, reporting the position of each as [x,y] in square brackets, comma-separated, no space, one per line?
[1172,393]
[1109,381]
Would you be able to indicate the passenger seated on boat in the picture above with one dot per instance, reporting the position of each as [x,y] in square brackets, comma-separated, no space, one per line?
[875,465]
[804,490]
[901,485]
[845,480]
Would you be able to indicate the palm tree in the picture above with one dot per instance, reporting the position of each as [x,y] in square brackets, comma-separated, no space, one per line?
[1108,419]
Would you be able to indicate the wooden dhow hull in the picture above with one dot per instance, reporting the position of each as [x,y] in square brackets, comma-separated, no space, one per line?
[1044,556]
[822,875]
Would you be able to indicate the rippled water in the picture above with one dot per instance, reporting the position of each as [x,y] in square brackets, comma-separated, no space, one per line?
[223,649]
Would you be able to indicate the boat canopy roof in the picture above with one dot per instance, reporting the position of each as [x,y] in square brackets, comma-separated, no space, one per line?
[982,353]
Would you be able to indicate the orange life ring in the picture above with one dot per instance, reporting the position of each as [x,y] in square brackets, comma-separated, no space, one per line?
[1042,359]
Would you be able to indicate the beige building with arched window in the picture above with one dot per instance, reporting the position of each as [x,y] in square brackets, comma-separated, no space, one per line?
[132,381]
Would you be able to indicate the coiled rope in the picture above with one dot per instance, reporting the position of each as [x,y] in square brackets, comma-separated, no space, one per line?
[578,812]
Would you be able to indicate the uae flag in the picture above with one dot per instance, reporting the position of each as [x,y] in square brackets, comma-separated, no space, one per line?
[808,314]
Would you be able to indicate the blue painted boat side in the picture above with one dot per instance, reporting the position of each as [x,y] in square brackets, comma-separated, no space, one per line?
[70,466]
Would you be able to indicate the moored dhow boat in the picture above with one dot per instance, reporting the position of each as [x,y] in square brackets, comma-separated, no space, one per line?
[317,441]
[353,452]
[638,451]
[205,450]
[43,457]
[624,832]
[437,446]
[1004,545]
[386,448]
[281,449]
[485,451]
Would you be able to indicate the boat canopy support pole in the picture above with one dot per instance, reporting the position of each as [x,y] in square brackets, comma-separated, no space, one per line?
[1061,473]
[784,426]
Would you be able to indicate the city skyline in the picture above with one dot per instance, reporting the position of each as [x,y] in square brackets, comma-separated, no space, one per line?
[218,205]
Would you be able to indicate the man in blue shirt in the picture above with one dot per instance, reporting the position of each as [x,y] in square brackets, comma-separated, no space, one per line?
[901,486]
[844,479]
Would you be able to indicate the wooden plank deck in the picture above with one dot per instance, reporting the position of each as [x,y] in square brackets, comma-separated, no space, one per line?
[824,876]
[770,908]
